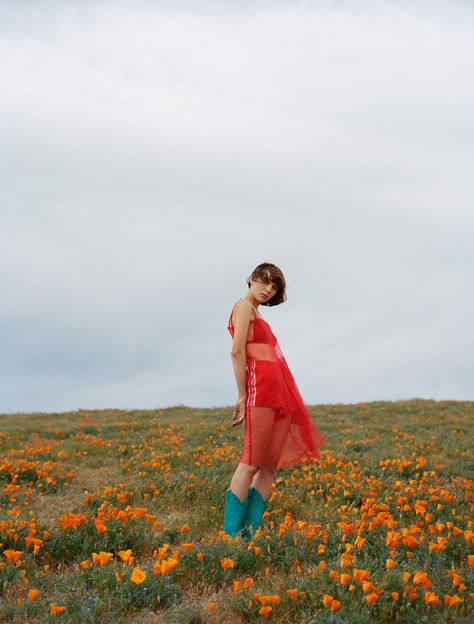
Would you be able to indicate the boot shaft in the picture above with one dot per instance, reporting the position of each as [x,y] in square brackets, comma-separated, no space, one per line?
[255,509]
[234,513]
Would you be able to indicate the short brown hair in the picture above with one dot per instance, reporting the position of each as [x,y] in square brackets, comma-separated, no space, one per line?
[268,272]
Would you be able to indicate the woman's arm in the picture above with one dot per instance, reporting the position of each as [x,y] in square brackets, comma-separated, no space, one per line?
[238,362]
[242,314]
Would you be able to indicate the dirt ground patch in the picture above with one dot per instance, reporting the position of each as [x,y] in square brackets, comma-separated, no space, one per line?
[48,507]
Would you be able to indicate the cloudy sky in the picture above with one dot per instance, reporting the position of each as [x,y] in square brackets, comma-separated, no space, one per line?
[153,153]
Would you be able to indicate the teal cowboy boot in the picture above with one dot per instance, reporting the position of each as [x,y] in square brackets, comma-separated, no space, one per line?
[253,517]
[234,513]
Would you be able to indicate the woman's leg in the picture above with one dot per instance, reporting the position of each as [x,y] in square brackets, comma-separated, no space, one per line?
[243,504]
[259,425]
[241,479]
[264,438]
[263,479]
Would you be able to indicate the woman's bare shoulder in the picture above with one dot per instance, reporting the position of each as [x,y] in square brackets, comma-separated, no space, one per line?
[243,303]
[243,308]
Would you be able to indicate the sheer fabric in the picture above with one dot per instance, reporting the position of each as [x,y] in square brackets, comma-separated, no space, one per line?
[270,384]
[264,436]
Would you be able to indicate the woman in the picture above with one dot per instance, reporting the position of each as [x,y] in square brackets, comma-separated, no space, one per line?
[279,429]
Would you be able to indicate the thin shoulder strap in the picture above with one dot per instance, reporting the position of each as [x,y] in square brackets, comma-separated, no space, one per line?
[255,311]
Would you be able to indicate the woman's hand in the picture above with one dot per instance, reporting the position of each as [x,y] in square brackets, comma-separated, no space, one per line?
[239,412]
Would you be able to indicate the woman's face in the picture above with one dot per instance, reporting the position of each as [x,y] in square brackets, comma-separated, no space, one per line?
[262,291]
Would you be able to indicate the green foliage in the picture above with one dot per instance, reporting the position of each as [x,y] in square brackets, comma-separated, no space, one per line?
[76,544]
[8,575]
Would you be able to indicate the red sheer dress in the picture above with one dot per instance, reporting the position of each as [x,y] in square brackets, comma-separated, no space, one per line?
[279,427]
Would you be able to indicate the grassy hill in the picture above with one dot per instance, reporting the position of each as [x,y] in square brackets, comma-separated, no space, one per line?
[116,516]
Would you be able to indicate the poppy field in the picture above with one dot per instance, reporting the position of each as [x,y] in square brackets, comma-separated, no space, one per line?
[116,516]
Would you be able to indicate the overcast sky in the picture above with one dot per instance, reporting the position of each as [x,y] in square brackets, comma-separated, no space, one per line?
[153,153]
